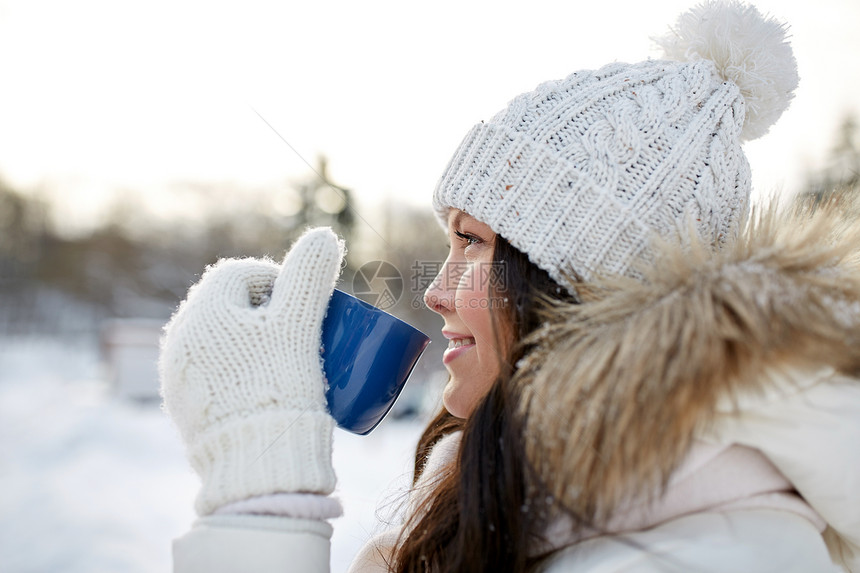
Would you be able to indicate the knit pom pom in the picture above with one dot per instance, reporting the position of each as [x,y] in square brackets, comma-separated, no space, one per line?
[749,50]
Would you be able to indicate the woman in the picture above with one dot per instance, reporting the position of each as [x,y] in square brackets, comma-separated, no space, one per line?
[661,383]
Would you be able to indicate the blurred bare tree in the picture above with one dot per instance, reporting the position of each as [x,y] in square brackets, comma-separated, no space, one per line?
[842,173]
[23,230]
[141,265]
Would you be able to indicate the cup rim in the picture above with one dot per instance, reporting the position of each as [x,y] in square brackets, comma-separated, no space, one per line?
[369,307]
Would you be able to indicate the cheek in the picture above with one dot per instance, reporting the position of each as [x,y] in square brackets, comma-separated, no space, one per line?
[472,300]
[474,308]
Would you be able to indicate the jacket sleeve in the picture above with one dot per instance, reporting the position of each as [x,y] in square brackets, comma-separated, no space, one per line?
[809,427]
[265,544]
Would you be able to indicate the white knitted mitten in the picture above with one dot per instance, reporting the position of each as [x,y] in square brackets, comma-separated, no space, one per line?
[241,374]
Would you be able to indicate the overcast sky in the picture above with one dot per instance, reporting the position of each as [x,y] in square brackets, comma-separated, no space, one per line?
[107,95]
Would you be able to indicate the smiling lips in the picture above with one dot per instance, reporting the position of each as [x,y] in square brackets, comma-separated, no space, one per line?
[456,347]
[458,342]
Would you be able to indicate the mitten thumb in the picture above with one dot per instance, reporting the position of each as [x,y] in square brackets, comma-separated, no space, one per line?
[308,276]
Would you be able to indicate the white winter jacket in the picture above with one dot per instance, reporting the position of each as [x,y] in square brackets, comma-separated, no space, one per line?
[810,432]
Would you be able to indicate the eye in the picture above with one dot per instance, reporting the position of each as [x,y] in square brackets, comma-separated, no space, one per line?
[468,239]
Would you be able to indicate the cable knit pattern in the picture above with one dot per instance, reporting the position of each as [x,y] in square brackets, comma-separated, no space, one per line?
[242,377]
[582,172]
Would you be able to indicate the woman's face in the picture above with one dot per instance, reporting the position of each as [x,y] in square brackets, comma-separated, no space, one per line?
[460,294]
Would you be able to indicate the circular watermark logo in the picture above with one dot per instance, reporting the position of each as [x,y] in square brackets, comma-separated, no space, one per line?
[378,283]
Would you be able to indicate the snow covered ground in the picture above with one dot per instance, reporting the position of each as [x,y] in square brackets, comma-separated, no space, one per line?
[90,482]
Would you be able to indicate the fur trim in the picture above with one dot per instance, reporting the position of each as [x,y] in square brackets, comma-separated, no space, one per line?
[616,387]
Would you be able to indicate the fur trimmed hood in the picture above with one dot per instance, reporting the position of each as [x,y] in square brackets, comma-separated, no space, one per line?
[615,389]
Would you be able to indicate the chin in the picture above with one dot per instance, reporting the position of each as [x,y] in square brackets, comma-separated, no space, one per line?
[459,399]
[453,405]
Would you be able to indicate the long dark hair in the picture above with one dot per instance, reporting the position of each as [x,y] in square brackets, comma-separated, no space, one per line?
[481,515]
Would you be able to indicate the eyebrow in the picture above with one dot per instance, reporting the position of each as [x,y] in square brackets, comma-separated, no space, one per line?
[455,222]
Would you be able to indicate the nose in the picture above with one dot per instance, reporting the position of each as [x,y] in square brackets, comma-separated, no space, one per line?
[439,296]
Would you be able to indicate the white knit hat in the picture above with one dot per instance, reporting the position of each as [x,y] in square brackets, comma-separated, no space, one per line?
[579,173]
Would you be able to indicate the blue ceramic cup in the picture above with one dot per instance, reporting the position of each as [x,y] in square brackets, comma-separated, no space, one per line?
[367,356]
